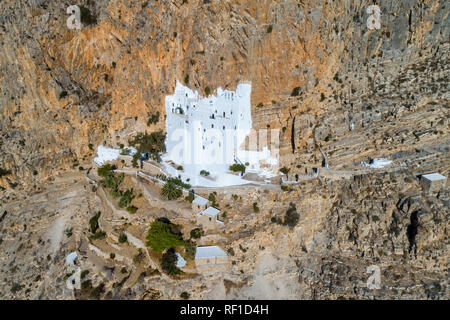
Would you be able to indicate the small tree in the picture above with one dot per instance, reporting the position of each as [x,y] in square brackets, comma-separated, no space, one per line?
[93,222]
[197,233]
[169,261]
[237,167]
[285,171]
[171,191]
[161,236]
[291,217]
[104,170]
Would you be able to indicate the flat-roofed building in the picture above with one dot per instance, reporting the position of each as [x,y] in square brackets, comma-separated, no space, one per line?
[433,182]
[208,218]
[209,256]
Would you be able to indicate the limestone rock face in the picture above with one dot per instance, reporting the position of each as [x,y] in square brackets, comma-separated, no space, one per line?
[329,84]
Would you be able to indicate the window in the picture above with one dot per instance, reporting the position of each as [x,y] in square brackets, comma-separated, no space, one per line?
[223,127]
[212,126]
[224,114]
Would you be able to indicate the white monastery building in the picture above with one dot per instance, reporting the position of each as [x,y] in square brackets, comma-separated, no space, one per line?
[208,133]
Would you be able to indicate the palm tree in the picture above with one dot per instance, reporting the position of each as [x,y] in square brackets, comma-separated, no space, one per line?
[171,191]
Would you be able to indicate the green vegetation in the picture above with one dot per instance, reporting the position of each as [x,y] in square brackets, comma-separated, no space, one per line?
[84,274]
[212,198]
[68,232]
[126,198]
[132,209]
[63,94]
[269,29]
[178,182]
[4,172]
[112,256]
[125,151]
[190,250]
[93,223]
[163,235]
[255,207]
[139,257]
[295,92]
[204,173]
[87,17]
[123,238]
[260,105]
[327,138]
[104,170]
[207,91]
[154,118]
[285,170]
[237,167]
[168,262]
[197,233]
[153,143]
[190,197]
[98,235]
[322,97]
[170,191]
[291,217]
[186,79]
[184,295]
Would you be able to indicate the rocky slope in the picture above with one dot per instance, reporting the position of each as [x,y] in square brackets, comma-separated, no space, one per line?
[325,80]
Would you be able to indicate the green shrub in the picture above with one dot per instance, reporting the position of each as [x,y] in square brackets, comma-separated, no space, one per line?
[178,182]
[204,173]
[269,29]
[184,295]
[295,92]
[168,262]
[132,209]
[322,96]
[93,222]
[4,172]
[190,197]
[152,143]
[154,118]
[285,170]
[197,233]
[123,238]
[126,198]
[84,274]
[161,236]
[104,170]
[237,167]
[170,191]
[112,255]
[63,94]
[260,105]
[212,198]
[190,250]
[87,17]
[255,207]
[186,79]
[139,257]
[291,217]
[98,235]
[207,91]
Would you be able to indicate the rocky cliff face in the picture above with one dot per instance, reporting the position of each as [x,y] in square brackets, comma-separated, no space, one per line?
[323,78]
